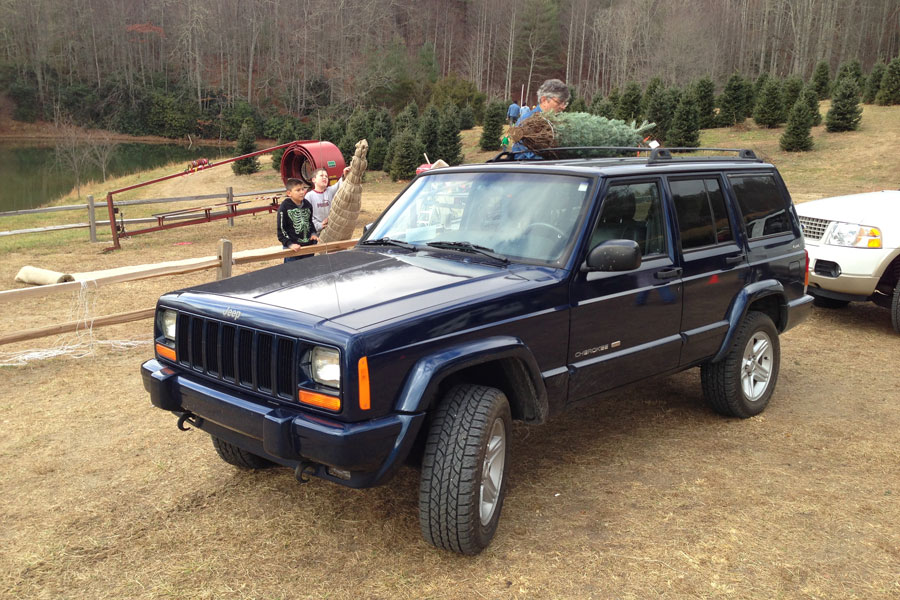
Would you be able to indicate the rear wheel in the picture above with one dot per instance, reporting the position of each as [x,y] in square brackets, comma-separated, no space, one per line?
[741,384]
[464,469]
[823,302]
[238,456]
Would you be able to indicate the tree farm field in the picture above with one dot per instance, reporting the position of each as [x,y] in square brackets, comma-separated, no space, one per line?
[643,493]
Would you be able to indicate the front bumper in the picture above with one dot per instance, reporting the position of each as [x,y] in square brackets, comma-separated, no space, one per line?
[371,451]
[858,270]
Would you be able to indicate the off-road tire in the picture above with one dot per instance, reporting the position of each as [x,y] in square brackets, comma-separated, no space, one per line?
[238,456]
[755,350]
[895,308]
[467,420]
[823,302]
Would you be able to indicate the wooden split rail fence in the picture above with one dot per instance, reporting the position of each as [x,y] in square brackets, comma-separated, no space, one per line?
[222,262]
[231,200]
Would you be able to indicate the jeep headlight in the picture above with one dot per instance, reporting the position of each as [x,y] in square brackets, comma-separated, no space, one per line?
[325,366]
[167,321]
[853,235]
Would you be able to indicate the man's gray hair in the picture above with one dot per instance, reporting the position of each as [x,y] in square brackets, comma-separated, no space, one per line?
[554,88]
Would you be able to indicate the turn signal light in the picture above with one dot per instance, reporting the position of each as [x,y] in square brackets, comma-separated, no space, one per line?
[320,400]
[165,351]
[365,400]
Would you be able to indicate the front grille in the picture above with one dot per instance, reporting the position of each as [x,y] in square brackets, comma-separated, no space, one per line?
[241,356]
[813,229]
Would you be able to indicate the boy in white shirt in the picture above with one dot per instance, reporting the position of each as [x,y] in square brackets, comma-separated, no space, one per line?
[321,195]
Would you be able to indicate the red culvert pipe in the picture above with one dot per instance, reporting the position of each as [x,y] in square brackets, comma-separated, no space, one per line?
[301,159]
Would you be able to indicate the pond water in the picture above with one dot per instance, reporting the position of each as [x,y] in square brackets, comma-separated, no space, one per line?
[31,175]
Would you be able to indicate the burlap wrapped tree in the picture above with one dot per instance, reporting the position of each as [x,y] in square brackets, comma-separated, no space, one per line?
[566,130]
[346,204]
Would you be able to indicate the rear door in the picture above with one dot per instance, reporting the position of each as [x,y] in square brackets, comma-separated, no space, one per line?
[625,325]
[715,264]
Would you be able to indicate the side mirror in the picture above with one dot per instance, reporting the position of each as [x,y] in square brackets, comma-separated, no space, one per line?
[367,227]
[614,255]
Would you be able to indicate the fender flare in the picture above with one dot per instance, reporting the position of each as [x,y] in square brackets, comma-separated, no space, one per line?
[747,296]
[420,392]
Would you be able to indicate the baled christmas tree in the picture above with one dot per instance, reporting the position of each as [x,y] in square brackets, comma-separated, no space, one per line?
[566,130]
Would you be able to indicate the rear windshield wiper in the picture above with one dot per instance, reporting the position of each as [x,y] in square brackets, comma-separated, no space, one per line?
[386,241]
[468,247]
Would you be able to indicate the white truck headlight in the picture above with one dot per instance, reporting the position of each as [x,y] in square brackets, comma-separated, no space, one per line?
[854,235]
[325,366]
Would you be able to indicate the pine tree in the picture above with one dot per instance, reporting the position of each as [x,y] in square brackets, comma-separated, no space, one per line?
[602,107]
[758,86]
[428,131]
[494,118]
[889,93]
[705,94]
[731,102]
[655,84]
[852,69]
[614,98]
[450,143]
[790,91]
[769,111]
[845,112]
[661,110]
[407,155]
[577,105]
[285,136]
[796,136]
[358,126]
[383,125]
[347,145]
[749,99]
[466,117]
[822,80]
[685,131]
[376,154]
[873,83]
[407,118]
[246,144]
[811,98]
[629,108]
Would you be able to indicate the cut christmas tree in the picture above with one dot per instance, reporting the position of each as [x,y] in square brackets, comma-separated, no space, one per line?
[543,130]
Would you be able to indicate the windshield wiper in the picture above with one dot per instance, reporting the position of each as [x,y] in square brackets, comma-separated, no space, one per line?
[386,241]
[469,247]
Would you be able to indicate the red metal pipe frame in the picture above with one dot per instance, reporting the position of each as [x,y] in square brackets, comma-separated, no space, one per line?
[109,196]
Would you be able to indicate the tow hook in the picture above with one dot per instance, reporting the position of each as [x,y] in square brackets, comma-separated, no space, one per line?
[190,418]
[304,471]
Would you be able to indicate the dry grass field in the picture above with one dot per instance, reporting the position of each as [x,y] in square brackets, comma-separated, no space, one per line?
[642,494]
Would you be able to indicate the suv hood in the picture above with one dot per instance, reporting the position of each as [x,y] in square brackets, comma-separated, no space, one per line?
[875,209]
[360,288]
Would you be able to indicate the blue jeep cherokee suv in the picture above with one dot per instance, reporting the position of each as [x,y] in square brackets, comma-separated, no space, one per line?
[487,293]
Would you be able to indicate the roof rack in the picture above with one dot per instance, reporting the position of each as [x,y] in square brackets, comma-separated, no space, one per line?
[657,155]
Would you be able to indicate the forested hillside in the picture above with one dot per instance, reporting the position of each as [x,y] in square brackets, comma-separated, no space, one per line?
[203,67]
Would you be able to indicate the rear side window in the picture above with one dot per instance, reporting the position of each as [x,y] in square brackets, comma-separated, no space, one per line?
[702,217]
[765,210]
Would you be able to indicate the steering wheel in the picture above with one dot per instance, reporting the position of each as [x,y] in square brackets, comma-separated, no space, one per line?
[552,228]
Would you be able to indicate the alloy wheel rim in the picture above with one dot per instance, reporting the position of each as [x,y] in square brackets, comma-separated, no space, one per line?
[756,366]
[492,472]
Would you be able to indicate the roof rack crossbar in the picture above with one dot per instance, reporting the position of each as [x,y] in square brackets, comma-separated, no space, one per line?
[665,154]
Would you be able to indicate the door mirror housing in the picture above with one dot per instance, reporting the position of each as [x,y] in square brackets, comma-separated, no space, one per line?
[614,255]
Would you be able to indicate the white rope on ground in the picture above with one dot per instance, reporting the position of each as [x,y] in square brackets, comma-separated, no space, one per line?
[83,304]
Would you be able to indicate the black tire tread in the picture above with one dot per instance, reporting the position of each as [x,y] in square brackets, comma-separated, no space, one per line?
[895,308]
[448,516]
[238,456]
[721,380]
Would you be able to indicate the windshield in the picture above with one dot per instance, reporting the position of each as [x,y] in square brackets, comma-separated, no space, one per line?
[519,216]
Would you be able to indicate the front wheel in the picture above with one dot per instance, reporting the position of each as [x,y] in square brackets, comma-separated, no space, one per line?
[895,308]
[741,384]
[464,469]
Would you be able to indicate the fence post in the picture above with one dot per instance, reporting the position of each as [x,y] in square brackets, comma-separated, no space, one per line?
[223,271]
[229,197]
[92,221]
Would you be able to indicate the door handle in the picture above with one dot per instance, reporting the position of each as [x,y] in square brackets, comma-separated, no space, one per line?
[672,273]
[734,260]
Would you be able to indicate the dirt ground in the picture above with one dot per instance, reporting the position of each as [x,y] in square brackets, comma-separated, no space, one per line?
[644,493]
